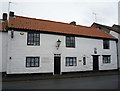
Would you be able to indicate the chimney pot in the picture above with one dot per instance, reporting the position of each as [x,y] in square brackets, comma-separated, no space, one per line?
[4,16]
[73,23]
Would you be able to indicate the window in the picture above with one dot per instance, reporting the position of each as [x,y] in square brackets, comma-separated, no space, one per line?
[106,58]
[105,44]
[84,60]
[71,61]
[70,41]
[32,61]
[33,39]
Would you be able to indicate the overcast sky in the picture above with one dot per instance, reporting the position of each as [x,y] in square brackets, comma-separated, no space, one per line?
[66,11]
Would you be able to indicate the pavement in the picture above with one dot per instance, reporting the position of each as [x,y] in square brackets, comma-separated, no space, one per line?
[31,77]
[93,82]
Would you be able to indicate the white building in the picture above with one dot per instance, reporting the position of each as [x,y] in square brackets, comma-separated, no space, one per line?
[114,31]
[41,46]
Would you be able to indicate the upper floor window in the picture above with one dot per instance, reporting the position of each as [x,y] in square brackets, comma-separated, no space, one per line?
[70,41]
[106,58]
[71,61]
[106,44]
[33,38]
[32,61]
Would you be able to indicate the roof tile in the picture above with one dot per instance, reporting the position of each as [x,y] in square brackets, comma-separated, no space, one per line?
[58,27]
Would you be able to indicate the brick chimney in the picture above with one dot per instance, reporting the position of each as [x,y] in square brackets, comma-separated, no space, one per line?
[11,14]
[73,23]
[4,16]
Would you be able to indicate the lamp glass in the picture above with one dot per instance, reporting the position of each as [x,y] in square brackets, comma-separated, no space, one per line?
[58,42]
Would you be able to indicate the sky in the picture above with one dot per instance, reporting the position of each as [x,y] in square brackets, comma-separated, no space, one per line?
[84,12]
[119,13]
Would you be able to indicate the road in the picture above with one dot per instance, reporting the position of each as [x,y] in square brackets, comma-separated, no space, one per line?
[96,82]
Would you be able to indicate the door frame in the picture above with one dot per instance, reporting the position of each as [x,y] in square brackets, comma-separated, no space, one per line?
[57,55]
[97,62]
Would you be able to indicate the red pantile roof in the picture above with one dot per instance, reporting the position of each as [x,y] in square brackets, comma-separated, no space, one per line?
[57,27]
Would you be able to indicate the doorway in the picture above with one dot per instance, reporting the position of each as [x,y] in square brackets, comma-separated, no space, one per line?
[95,63]
[57,63]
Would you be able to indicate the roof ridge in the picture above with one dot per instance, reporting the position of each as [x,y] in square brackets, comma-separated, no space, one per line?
[102,25]
[50,21]
[41,19]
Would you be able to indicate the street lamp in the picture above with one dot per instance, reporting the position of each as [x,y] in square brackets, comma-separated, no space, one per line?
[58,43]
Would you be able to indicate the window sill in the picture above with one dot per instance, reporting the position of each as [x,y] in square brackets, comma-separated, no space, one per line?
[33,45]
[70,47]
[32,67]
[106,49]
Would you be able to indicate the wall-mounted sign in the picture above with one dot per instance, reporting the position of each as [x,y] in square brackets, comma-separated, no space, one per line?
[21,33]
[79,60]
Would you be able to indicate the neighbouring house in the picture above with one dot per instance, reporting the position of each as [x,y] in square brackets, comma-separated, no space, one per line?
[41,46]
[114,31]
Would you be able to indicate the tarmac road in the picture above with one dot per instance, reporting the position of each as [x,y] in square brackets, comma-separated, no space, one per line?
[96,82]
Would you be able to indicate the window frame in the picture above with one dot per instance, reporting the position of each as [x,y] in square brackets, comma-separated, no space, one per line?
[33,38]
[106,44]
[108,61]
[34,62]
[71,61]
[70,41]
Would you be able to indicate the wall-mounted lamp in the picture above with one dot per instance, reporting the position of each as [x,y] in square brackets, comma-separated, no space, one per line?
[58,43]
[95,50]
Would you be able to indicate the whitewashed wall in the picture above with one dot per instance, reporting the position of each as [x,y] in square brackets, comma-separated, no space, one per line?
[85,47]
[3,51]
[117,35]
[18,51]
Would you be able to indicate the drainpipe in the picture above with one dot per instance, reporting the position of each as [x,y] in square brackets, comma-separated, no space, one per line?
[117,55]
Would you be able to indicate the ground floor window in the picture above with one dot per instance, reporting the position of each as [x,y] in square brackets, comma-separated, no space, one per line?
[84,60]
[106,58]
[32,61]
[71,61]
